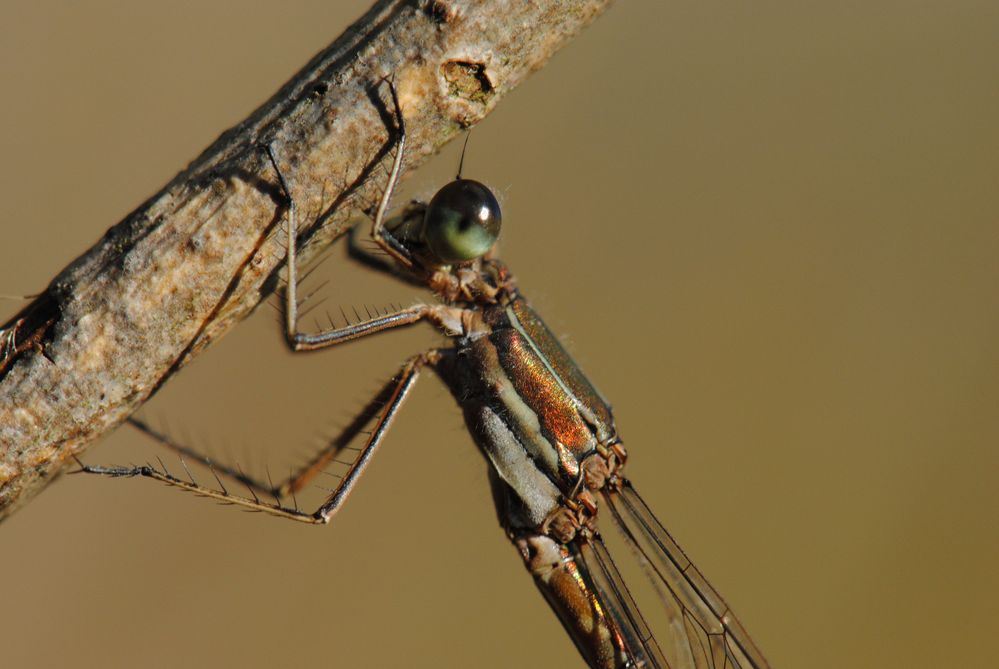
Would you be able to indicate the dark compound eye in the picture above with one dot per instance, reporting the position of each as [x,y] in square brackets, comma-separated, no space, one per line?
[462,221]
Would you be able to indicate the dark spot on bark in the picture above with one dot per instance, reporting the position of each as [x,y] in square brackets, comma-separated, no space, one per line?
[320,89]
[219,185]
[437,11]
[467,80]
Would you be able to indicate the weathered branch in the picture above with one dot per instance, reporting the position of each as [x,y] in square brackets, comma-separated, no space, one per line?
[198,256]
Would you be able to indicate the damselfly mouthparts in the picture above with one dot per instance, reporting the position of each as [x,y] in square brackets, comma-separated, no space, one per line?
[549,437]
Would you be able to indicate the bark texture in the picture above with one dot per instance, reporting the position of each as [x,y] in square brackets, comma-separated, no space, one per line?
[199,255]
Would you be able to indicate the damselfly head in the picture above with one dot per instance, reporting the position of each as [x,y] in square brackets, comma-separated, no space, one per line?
[462,221]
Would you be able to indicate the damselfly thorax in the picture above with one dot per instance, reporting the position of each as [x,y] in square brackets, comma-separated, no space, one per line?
[555,458]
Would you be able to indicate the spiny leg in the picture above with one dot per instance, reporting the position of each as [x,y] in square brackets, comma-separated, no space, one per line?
[443,316]
[235,473]
[297,479]
[300,341]
[397,391]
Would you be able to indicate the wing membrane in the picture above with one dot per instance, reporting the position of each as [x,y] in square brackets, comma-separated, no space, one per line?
[703,631]
[613,596]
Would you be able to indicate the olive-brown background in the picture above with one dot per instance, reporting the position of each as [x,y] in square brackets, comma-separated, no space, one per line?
[769,233]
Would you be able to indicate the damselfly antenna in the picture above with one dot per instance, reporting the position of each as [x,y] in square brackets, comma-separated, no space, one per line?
[461,161]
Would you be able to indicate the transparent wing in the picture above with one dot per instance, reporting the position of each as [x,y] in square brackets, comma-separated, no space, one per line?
[613,599]
[702,631]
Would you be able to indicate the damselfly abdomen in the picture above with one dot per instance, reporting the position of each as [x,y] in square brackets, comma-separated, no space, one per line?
[555,456]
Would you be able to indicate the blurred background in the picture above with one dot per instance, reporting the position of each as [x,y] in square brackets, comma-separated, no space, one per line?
[767,231]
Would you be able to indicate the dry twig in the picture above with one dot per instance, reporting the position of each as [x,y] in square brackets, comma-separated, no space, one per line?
[199,255]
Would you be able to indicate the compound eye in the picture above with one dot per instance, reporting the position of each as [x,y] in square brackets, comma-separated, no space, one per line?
[462,221]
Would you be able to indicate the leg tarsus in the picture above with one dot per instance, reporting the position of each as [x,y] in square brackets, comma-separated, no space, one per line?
[113,471]
[148,471]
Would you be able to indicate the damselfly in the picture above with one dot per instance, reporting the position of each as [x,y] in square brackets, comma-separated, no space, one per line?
[549,437]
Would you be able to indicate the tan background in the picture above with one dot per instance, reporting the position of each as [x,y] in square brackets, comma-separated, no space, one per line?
[768,231]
